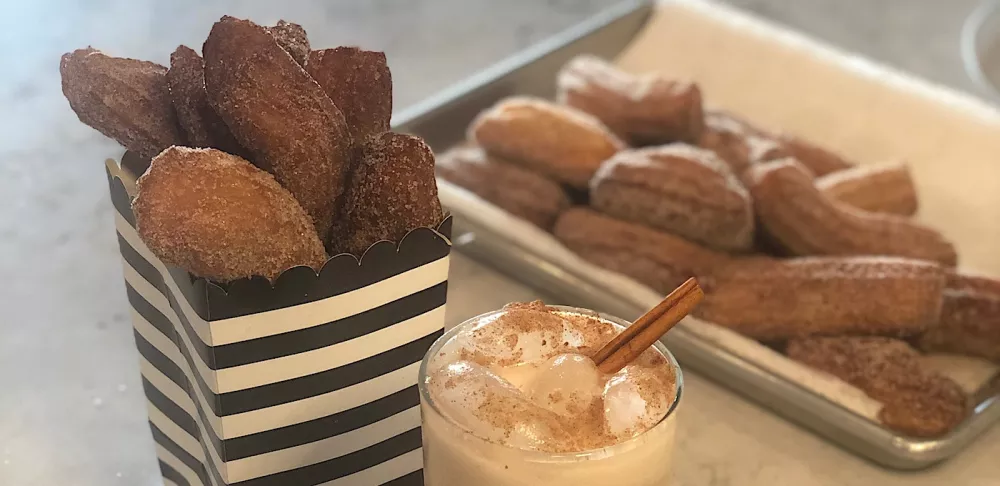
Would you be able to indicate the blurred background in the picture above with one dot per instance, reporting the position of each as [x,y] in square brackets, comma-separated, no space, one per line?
[71,407]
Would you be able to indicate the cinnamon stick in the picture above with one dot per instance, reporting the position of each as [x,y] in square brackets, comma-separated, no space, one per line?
[646,330]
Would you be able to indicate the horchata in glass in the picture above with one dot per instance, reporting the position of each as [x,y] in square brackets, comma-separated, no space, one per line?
[512,398]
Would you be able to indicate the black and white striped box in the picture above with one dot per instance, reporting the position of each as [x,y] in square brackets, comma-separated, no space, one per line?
[310,381]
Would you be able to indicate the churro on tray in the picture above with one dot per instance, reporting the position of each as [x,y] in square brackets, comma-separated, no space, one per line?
[660,260]
[883,188]
[819,160]
[644,110]
[916,400]
[970,318]
[679,189]
[807,222]
[774,299]
[561,142]
[513,188]
[737,142]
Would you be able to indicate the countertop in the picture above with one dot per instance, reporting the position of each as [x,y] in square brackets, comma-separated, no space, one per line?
[71,407]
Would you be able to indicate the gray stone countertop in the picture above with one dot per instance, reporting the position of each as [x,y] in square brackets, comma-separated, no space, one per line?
[71,407]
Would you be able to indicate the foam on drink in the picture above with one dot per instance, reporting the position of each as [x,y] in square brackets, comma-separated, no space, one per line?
[523,378]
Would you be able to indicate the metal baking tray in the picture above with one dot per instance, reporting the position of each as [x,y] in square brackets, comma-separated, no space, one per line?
[442,121]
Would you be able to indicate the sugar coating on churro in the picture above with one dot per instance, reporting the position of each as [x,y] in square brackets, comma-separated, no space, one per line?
[679,189]
[202,125]
[219,217]
[561,142]
[391,192]
[817,159]
[774,299]
[125,99]
[660,260]
[970,318]
[292,38]
[806,222]
[644,110]
[513,188]
[278,112]
[737,142]
[885,188]
[359,83]
[917,401]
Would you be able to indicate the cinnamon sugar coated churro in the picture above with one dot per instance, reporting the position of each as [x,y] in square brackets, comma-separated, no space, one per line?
[726,136]
[359,83]
[818,160]
[558,141]
[970,318]
[392,191]
[916,400]
[773,299]
[636,265]
[513,188]
[678,189]
[806,222]
[279,113]
[125,99]
[738,143]
[644,110]
[660,260]
[292,38]
[883,188]
[200,122]
[220,217]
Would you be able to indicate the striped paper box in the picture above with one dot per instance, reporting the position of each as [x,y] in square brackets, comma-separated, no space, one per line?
[310,381]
